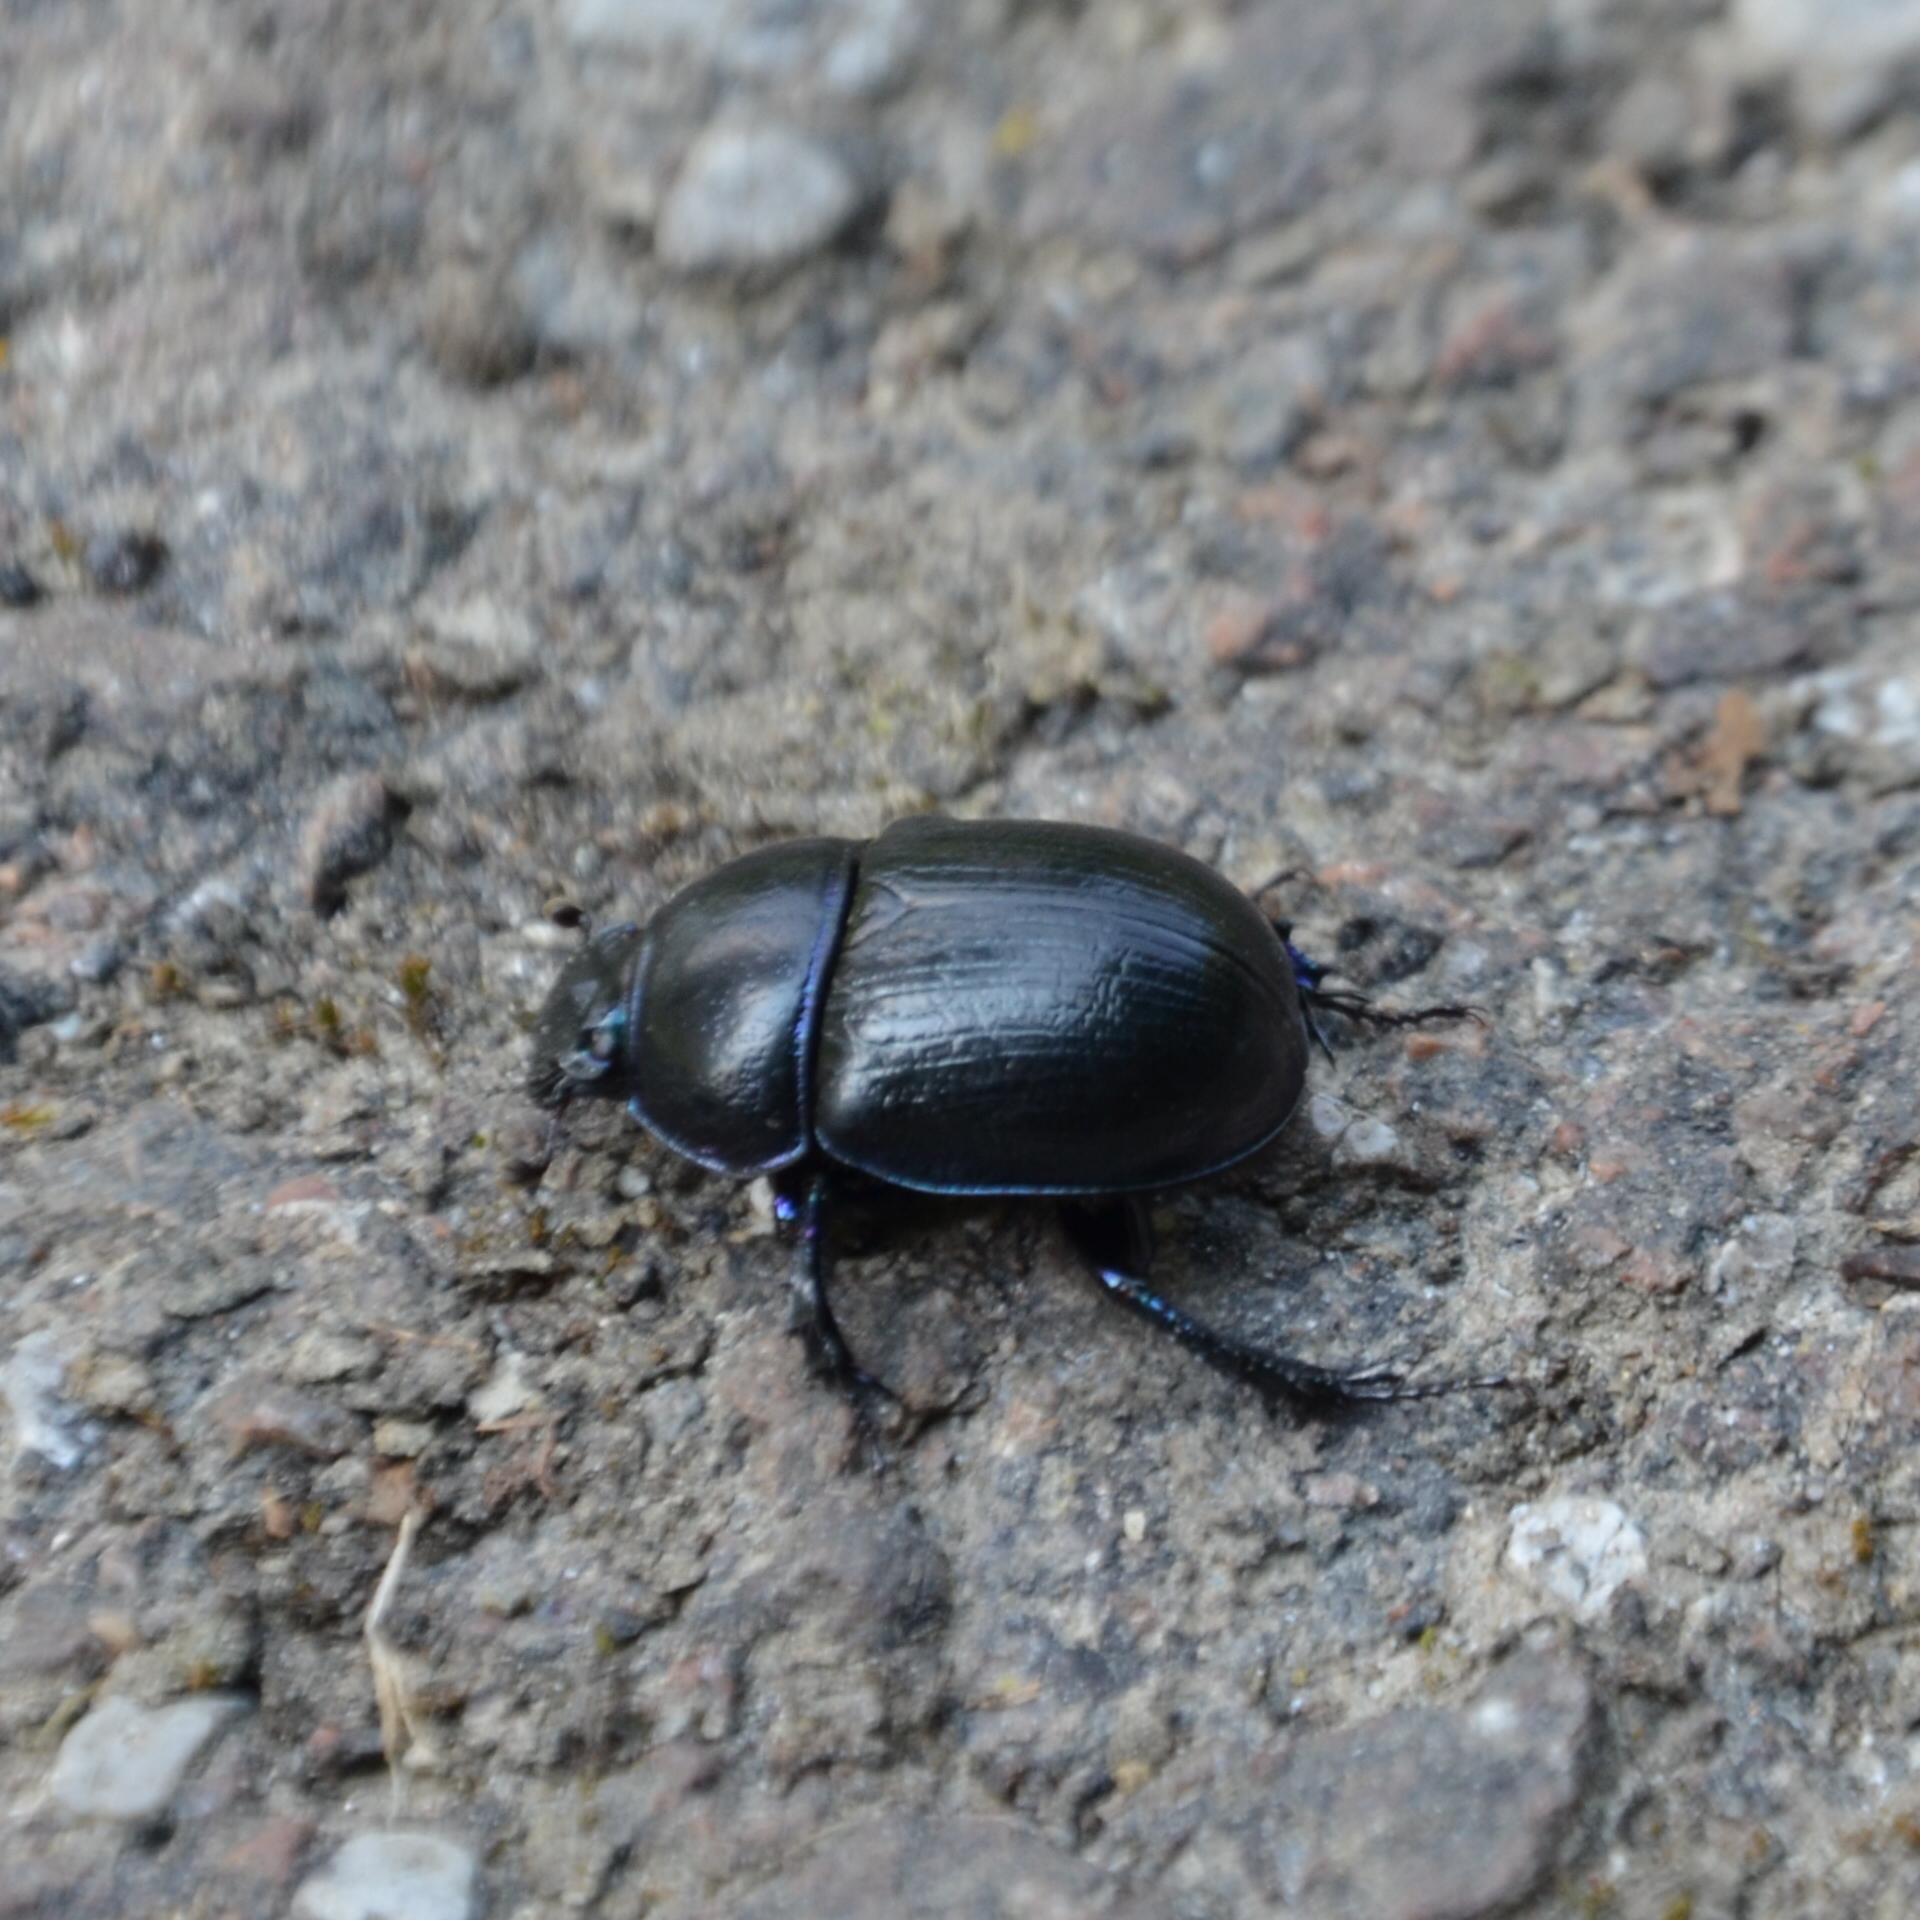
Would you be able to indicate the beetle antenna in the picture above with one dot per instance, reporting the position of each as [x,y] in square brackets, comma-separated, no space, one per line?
[1356,1006]
[1279,879]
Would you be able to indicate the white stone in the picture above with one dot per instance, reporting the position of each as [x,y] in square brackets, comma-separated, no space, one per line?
[30,1384]
[125,1762]
[1552,992]
[480,645]
[1760,1254]
[391,1876]
[873,52]
[1843,56]
[1580,1549]
[1328,1117]
[1369,1142]
[1875,719]
[577,305]
[754,198]
[505,1392]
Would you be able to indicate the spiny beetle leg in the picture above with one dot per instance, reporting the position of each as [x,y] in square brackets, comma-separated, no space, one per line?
[1115,1238]
[803,1204]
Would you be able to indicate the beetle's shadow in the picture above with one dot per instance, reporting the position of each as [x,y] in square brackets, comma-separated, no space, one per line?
[927,1288]
[921,1289]
[1324,1285]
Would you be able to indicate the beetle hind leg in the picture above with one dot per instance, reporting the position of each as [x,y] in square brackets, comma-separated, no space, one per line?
[1115,1238]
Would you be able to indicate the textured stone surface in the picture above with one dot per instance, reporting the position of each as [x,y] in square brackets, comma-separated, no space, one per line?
[1417,1814]
[909,1867]
[1421,1815]
[1459,456]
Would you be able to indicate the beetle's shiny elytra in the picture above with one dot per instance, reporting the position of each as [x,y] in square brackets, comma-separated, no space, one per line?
[991,1007]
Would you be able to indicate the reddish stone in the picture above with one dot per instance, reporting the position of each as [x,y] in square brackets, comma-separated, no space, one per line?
[269,1856]
[255,1411]
[1655,1272]
[1492,347]
[1592,1249]
[304,1190]
[1898,1266]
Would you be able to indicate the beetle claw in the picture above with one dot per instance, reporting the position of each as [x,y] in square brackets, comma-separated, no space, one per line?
[1375,1383]
[1382,1383]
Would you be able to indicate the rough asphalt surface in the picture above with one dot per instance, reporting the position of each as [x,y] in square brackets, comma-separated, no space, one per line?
[1466,452]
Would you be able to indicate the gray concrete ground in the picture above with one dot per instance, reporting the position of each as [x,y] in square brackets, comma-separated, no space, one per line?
[1464,451]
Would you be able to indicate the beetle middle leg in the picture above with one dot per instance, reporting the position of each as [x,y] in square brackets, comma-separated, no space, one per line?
[1115,1237]
[802,1203]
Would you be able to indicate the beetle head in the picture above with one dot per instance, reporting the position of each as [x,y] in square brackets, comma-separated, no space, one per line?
[579,1041]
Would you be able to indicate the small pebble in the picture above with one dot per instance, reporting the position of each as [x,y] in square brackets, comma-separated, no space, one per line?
[348,832]
[506,1391]
[477,650]
[402,1439]
[125,1762]
[390,1876]
[1760,1254]
[1341,1492]
[31,1384]
[755,198]
[874,53]
[1843,56]
[1580,1549]
[1368,1141]
[268,1856]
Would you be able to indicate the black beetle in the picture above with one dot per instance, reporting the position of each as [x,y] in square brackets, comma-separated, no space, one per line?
[962,1007]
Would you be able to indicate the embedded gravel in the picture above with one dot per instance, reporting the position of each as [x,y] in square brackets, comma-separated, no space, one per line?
[1462,454]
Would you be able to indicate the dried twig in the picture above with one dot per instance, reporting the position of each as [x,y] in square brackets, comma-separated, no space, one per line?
[403,1730]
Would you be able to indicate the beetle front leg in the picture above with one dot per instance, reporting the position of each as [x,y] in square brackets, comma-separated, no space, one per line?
[1115,1237]
[802,1204]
